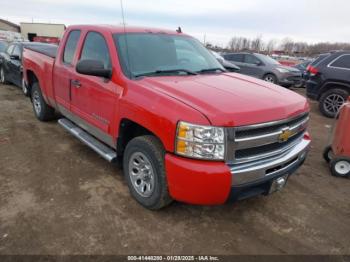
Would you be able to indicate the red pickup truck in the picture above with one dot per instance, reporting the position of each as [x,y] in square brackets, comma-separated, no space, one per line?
[183,127]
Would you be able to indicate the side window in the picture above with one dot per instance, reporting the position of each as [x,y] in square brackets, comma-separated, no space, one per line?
[10,49]
[71,46]
[17,51]
[250,59]
[342,62]
[95,48]
[236,57]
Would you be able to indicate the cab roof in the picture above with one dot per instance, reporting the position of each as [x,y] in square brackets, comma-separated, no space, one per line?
[127,29]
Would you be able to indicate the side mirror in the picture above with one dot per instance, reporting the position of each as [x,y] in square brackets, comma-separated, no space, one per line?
[93,68]
[14,57]
[258,63]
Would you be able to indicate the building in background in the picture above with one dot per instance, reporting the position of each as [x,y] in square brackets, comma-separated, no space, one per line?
[8,26]
[40,31]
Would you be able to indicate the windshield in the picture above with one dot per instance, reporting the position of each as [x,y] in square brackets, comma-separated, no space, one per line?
[267,59]
[147,53]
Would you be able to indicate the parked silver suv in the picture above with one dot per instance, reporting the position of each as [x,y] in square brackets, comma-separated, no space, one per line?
[265,67]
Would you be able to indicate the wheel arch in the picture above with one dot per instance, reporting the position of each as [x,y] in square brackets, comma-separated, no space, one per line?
[333,85]
[129,129]
[31,79]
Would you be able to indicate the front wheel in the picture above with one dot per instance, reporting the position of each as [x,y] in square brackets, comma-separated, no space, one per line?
[270,78]
[340,167]
[328,153]
[42,111]
[144,171]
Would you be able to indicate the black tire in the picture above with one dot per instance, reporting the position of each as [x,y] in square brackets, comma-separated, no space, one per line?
[271,78]
[152,148]
[299,84]
[42,111]
[332,94]
[327,154]
[3,76]
[340,166]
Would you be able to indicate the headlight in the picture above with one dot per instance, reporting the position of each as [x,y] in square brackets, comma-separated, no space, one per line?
[282,70]
[202,142]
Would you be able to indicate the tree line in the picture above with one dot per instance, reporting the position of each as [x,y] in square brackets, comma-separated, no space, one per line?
[287,46]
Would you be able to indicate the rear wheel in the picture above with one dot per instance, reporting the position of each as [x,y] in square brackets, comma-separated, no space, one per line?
[270,78]
[42,111]
[2,76]
[340,167]
[144,171]
[331,101]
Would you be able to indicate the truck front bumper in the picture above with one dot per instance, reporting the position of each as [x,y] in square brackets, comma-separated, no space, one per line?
[212,183]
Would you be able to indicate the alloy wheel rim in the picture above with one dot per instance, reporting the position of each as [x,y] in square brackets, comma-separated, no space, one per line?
[333,103]
[36,102]
[342,167]
[141,174]
[269,79]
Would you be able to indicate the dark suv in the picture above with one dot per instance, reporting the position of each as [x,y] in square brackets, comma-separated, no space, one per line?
[329,81]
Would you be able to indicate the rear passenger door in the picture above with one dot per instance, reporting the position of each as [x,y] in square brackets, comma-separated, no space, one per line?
[340,68]
[94,99]
[63,71]
[237,59]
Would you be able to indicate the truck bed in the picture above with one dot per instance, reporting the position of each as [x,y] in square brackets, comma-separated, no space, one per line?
[45,49]
[39,59]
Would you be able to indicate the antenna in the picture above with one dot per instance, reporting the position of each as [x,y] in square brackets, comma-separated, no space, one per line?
[126,37]
[122,11]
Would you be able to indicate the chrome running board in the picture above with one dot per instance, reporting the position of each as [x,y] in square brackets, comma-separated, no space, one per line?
[103,150]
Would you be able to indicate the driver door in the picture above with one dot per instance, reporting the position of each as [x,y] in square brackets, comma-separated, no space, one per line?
[95,99]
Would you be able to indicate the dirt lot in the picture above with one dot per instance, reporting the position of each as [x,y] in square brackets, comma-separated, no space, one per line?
[58,197]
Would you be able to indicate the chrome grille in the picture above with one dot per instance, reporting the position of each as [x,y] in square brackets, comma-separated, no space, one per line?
[249,143]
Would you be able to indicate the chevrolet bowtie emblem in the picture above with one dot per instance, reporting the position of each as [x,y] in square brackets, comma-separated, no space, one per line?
[285,135]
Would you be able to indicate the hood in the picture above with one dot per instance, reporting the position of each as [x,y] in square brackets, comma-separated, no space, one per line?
[230,99]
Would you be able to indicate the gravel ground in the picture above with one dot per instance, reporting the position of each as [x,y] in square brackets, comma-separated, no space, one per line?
[58,197]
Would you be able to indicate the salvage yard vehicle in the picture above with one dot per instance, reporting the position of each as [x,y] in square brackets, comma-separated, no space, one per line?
[329,81]
[11,63]
[185,129]
[337,154]
[265,67]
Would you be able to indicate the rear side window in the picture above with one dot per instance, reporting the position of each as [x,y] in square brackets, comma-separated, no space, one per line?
[71,46]
[342,61]
[95,48]
[319,59]
[235,57]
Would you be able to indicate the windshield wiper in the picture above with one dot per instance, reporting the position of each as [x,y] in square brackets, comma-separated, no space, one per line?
[208,70]
[158,72]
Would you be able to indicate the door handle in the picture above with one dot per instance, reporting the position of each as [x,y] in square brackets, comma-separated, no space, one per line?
[75,83]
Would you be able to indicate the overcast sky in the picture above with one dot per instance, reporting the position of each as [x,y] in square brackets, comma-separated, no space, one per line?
[219,20]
